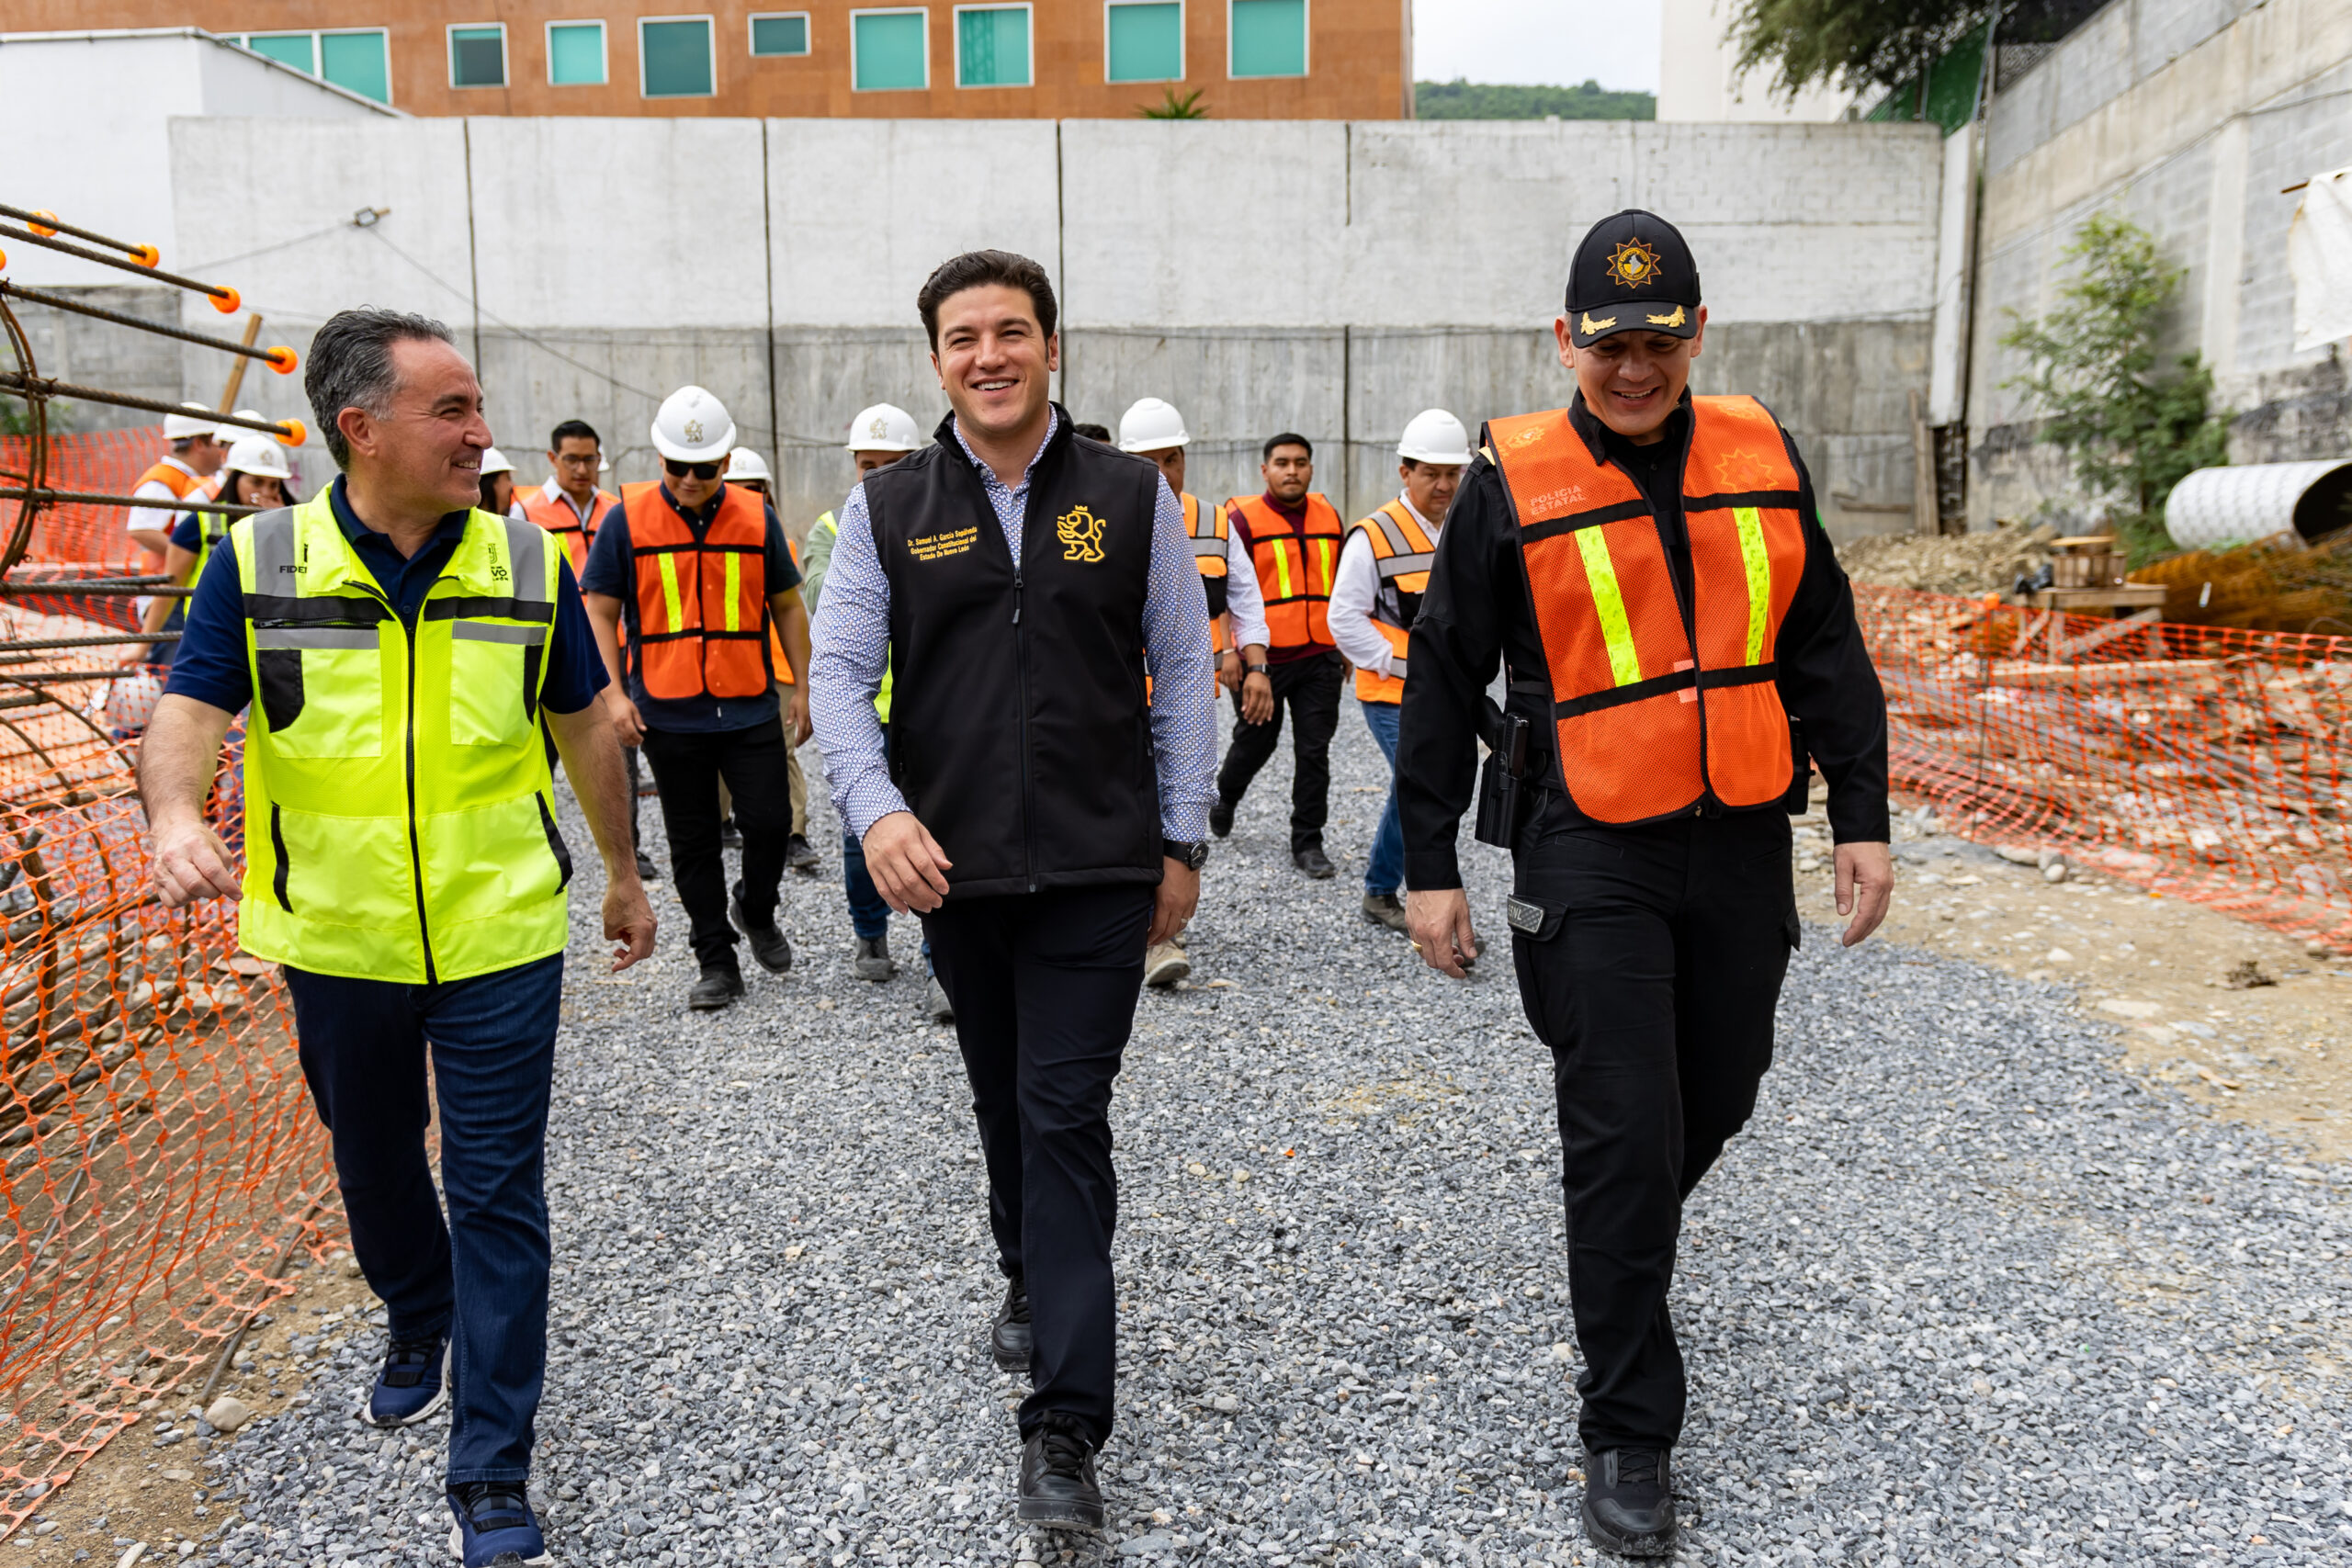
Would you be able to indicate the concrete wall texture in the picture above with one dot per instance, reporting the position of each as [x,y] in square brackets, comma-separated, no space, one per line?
[2189,117]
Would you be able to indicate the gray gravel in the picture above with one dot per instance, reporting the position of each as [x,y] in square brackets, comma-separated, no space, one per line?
[1963,1294]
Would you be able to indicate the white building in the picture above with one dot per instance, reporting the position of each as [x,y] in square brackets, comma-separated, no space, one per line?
[1697,79]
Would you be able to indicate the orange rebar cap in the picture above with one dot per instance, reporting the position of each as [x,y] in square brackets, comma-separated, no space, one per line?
[282,360]
[296,433]
[226,300]
[46,230]
[146,255]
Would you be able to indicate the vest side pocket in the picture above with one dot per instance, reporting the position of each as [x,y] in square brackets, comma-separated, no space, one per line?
[556,846]
[281,674]
[492,673]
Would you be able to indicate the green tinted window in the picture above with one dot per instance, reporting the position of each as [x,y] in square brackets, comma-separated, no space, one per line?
[992,46]
[1147,43]
[779,34]
[356,62]
[576,54]
[287,49]
[677,59]
[477,57]
[1269,38]
[888,47]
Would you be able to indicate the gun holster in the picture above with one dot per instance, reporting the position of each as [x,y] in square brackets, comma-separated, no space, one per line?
[1799,798]
[1502,782]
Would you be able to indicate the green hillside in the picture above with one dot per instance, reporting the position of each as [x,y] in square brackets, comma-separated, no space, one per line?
[1483,100]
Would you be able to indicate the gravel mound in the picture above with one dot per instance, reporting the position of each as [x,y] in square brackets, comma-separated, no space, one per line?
[1989,560]
[1963,1294]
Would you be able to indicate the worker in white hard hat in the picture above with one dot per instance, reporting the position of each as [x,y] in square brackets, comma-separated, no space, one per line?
[196,454]
[1153,429]
[749,470]
[699,570]
[1377,592]
[253,473]
[498,485]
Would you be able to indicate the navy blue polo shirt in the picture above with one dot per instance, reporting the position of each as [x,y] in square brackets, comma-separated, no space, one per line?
[210,663]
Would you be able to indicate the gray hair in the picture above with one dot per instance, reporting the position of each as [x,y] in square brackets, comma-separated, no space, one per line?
[351,365]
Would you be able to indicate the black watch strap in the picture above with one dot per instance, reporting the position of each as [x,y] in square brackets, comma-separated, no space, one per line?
[1258,669]
[1192,856]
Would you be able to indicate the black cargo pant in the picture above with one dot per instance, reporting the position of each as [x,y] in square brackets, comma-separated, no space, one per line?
[1310,689]
[688,766]
[1653,978]
[1045,987]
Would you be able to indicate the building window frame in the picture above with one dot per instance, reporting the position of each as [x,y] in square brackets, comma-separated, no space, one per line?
[308,33]
[922,11]
[383,37]
[449,37]
[1305,47]
[1029,41]
[1181,62]
[710,42]
[807,35]
[604,49]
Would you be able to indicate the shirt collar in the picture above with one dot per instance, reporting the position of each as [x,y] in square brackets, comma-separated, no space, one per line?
[171,461]
[702,514]
[451,529]
[1427,527]
[1052,422]
[550,490]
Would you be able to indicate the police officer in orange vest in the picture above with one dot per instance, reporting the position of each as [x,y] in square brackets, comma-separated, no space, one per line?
[1649,569]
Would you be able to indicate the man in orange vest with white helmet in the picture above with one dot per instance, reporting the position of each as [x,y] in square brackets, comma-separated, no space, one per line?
[1650,568]
[1383,571]
[570,504]
[196,452]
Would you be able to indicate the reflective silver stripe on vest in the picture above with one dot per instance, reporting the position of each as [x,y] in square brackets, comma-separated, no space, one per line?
[315,637]
[1395,668]
[1208,549]
[1400,566]
[1398,544]
[484,631]
[1205,517]
[526,557]
[274,552]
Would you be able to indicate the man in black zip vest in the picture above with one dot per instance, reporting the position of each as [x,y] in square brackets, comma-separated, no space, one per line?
[1047,819]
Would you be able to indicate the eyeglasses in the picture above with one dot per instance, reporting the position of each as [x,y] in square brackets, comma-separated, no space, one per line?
[705,471]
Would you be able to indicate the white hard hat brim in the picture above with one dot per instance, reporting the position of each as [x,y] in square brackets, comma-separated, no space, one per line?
[1427,454]
[710,452]
[1161,445]
[855,446]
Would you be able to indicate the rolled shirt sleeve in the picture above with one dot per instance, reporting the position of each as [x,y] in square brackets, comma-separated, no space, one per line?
[849,650]
[1354,587]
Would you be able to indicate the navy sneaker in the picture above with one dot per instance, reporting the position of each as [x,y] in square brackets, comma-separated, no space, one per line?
[413,1384]
[495,1527]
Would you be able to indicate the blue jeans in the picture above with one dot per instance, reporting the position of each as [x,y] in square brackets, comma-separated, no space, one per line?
[869,916]
[483,1277]
[1385,873]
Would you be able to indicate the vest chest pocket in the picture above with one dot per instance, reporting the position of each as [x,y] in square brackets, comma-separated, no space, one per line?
[321,689]
[494,683]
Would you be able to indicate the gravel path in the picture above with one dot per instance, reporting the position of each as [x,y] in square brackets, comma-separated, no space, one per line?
[1964,1292]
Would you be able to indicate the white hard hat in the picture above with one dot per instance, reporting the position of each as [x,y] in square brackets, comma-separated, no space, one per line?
[1152,426]
[693,428]
[1434,435]
[180,426]
[230,435]
[885,428]
[494,461]
[253,453]
[745,464]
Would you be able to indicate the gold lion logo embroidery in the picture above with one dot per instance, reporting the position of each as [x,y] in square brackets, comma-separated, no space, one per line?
[1634,265]
[1081,533]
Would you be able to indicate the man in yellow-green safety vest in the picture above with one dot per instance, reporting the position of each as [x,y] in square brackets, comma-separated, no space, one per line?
[401,651]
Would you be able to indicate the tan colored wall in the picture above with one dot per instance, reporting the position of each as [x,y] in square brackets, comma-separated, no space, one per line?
[1356,58]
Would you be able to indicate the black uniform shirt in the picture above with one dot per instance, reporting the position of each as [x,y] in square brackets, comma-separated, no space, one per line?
[1477,609]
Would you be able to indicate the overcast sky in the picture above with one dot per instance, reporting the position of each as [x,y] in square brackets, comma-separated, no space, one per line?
[1559,41]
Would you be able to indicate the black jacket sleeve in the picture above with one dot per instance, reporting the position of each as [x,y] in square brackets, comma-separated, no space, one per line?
[1828,684]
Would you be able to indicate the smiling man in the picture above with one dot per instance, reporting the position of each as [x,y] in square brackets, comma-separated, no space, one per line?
[1651,568]
[1045,817]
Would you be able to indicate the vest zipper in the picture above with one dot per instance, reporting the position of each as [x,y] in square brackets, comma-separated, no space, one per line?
[1028,784]
[415,848]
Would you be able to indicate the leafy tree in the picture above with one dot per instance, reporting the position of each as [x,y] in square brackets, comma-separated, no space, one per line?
[1459,99]
[2134,433]
[1856,42]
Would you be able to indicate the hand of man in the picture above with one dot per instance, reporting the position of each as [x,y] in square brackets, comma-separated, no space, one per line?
[1865,888]
[796,709]
[908,866]
[1228,671]
[188,862]
[1179,895]
[1257,699]
[628,726]
[628,920]
[1439,920]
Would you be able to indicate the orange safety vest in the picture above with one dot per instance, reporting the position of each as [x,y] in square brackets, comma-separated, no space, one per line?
[179,481]
[1209,528]
[702,606]
[1654,717]
[779,660]
[558,518]
[1401,552]
[1294,570]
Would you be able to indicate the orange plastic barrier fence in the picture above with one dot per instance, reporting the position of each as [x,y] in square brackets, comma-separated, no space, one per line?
[100,462]
[2203,762]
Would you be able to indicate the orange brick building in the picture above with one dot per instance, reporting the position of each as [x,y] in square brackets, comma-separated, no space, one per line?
[992,59]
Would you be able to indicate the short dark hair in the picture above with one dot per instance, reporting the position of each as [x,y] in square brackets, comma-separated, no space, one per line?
[574,429]
[350,366]
[1287,438]
[979,269]
[1091,432]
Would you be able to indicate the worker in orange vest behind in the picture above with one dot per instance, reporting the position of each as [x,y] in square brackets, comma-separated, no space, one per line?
[195,455]
[1650,569]
[1293,536]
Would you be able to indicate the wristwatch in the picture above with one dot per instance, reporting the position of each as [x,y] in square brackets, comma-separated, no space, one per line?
[1258,669]
[1193,856]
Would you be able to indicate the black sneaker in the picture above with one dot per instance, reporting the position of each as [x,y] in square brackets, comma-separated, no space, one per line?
[731,837]
[1221,819]
[1010,1340]
[717,987]
[1058,1484]
[769,944]
[1313,861]
[1629,1502]
[798,855]
[646,870]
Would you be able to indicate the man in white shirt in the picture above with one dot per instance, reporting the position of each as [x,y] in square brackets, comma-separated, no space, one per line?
[195,455]
[1375,596]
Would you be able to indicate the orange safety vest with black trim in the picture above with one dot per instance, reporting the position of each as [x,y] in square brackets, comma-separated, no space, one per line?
[1294,568]
[702,605]
[178,480]
[779,660]
[1655,717]
[1210,529]
[558,518]
[1401,553]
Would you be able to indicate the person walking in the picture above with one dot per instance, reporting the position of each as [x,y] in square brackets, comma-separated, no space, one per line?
[1155,429]
[1044,817]
[399,650]
[698,570]
[194,453]
[255,473]
[749,470]
[1292,535]
[498,486]
[1650,568]
[1374,597]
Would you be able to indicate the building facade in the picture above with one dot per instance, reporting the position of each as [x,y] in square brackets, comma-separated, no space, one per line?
[1001,59]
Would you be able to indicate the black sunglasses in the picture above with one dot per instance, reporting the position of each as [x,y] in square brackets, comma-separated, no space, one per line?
[680,471]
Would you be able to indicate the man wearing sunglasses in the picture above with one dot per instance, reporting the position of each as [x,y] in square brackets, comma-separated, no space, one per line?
[699,569]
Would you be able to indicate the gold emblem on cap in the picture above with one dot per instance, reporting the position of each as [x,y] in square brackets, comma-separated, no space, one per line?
[1633,263]
[1676,320]
[1589,327]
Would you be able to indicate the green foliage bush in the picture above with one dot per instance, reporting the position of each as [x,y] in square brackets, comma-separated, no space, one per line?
[1459,99]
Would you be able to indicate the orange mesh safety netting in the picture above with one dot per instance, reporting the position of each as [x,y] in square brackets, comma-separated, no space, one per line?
[2201,762]
[100,462]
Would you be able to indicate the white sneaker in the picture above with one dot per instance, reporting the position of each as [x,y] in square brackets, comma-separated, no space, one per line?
[1165,964]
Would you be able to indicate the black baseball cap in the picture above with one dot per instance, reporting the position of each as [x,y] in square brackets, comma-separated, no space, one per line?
[1632,273]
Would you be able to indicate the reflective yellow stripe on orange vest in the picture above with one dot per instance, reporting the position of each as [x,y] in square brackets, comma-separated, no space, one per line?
[1282,572]
[670,604]
[1756,556]
[1609,604]
[733,620]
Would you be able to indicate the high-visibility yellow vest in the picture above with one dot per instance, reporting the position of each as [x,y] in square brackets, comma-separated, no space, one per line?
[882,698]
[400,817]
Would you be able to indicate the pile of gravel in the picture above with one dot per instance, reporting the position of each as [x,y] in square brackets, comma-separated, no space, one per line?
[1963,1294]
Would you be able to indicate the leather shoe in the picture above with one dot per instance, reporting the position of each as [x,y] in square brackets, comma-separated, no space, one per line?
[716,986]
[1010,1338]
[1221,819]
[1058,1484]
[1313,861]
[1385,909]
[646,870]
[768,942]
[1629,1502]
[872,959]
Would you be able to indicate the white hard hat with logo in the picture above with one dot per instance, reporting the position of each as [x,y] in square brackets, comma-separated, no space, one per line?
[254,453]
[230,435]
[1152,426]
[693,428]
[181,426]
[1435,436]
[494,461]
[745,464]
[885,428]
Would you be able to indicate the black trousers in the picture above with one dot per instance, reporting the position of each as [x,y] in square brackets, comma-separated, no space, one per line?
[688,766]
[1044,988]
[1654,982]
[1310,689]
